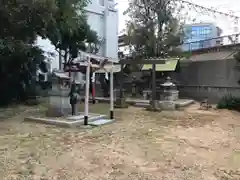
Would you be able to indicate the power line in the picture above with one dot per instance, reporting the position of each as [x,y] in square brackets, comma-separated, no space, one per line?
[203,8]
[208,9]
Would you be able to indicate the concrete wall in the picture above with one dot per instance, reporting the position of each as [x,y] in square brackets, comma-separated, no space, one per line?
[208,79]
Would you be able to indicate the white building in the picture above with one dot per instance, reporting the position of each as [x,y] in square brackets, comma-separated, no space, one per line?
[102,18]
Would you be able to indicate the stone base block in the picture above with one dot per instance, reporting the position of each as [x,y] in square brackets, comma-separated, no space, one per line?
[167,105]
[121,103]
[57,111]
[154,106]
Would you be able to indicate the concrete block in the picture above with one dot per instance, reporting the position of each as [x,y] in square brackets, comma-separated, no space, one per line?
[167,105]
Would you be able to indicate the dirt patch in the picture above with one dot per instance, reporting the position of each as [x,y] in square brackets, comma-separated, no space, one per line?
[177,145]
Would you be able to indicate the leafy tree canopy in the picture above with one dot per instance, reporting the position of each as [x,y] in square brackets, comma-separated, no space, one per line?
[70,31]
[154,29]
[62,22]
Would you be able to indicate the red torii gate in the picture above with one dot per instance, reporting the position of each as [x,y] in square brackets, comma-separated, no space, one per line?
[86,63]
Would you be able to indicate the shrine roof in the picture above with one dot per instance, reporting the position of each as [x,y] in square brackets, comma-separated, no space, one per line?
[170,65]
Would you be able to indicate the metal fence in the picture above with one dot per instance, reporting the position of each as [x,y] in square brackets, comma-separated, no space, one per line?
[212,42]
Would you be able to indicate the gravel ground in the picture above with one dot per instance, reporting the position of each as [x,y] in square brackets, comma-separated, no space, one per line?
[180,145]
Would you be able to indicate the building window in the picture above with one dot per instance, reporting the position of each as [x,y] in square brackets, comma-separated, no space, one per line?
[101,2]
[204,32]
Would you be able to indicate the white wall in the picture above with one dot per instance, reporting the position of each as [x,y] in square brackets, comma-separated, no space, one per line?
[105,23]
[97,24]
[112,35]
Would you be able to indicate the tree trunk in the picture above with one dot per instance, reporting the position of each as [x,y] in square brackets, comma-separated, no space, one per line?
[60,59]
[65,56]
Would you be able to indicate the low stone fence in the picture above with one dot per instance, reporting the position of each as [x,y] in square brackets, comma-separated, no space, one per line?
[212,93]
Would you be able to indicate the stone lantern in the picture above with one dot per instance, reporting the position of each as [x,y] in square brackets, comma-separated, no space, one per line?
[170,92]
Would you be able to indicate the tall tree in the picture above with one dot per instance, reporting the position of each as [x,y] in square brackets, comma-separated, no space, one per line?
[20,22]
[153,29]
[70,31]
[63,22]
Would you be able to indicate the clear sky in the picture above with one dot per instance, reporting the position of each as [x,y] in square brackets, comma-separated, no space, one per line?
[221,5]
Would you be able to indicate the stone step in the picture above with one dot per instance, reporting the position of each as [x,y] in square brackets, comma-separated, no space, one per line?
[168,104]
[101,121]
[91,116]
[184,102]
[70,121]
[141,104]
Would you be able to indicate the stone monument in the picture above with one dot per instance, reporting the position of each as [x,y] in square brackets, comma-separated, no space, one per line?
[58,104]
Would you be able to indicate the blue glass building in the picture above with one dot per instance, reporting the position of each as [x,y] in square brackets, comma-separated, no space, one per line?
[198,36]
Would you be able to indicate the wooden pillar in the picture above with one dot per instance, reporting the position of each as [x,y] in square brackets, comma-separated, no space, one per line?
[154,86]
[120,101]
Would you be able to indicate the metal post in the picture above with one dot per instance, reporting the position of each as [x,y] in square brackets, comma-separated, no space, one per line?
[111,93]
[87,92]
[153,86]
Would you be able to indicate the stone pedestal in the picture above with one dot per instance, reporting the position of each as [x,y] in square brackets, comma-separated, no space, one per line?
[58,104]
[167,105]
[121,103]
[147,94]
[169,95]
[154,106]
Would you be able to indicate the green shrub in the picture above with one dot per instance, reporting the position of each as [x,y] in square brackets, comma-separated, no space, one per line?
[229,102]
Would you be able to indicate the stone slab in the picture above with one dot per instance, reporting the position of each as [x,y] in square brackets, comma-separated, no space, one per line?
[75,118]
[184,102]
[81,116]
[167,105]
[101,122]
[53,121]
[142,105]
[63,123]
